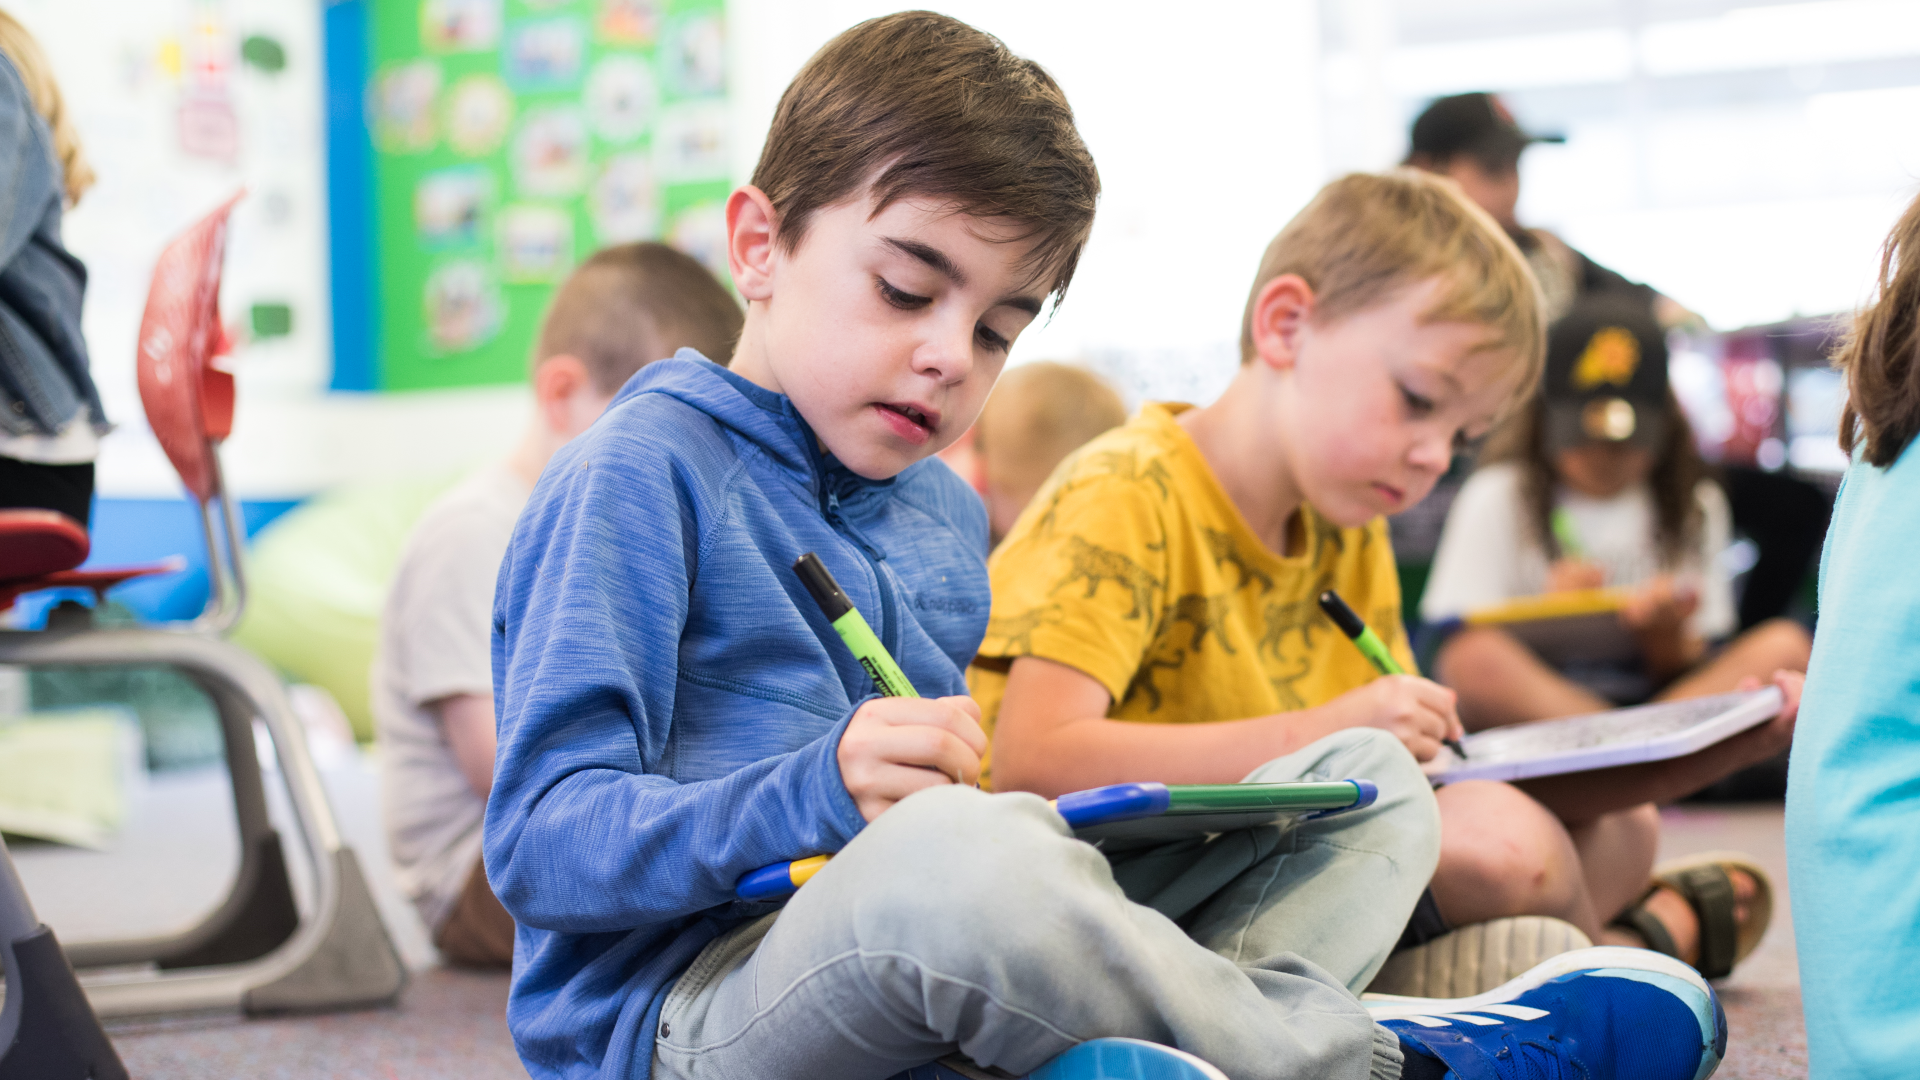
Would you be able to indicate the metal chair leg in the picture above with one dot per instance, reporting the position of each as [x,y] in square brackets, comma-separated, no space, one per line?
[47,1030]
[341,957]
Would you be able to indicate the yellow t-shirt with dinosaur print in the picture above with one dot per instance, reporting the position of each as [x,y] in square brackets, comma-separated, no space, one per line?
[1133,566]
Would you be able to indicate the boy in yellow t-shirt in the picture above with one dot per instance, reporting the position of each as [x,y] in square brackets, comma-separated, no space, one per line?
[1155,609]
[1138,571]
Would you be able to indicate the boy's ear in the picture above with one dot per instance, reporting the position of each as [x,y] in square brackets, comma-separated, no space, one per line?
[1281,311]
[555,382]
[752,227]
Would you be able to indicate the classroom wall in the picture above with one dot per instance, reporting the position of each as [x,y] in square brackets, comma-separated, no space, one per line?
[1204,121]
[1178,107]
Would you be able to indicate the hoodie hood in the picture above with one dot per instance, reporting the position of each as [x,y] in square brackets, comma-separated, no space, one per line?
[757,416]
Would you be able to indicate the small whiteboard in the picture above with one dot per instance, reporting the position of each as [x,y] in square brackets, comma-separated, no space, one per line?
[1604,740]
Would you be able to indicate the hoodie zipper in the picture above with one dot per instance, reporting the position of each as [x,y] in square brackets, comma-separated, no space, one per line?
[889,625]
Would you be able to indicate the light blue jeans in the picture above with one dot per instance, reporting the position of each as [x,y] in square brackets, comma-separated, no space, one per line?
[972,922]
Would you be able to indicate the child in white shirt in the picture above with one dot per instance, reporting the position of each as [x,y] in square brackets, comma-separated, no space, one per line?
[433,679]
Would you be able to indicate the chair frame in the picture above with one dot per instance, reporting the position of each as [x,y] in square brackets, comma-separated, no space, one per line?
[254,952]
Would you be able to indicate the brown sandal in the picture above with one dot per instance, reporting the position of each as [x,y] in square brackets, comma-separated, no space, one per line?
[1705,882]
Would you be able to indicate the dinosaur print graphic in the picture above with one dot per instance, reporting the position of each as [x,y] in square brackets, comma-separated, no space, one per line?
[1298,616]
[1290,698]
[1017,630]
[1225,550]
[1125,465]
[1143,679]
[1324,534]
[1206,614]
[1097,565]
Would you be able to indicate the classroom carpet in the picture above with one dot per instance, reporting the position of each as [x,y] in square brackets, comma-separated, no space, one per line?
[449,1024]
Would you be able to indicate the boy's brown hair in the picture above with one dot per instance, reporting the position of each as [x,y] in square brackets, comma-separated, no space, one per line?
[1366,236]
[631,304]
[921,105]
[1881,354]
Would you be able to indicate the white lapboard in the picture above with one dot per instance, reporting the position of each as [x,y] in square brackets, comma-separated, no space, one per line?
[1604,740]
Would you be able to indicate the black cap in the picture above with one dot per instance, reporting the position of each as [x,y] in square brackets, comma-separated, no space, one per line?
[1606,376]
[1477,124]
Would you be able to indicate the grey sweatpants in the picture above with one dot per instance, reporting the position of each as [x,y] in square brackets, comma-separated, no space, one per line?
[961,920]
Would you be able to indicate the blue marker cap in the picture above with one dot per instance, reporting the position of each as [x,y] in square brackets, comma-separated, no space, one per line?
[766,883]
[1115,802]
[1366,793]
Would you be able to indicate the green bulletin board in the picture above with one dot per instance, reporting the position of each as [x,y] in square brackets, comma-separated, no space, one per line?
[511,139]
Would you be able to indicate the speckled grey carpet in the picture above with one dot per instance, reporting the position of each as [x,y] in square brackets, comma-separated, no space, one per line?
[449,1024]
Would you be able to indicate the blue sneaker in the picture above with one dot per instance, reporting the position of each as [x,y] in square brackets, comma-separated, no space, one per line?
[1125,1059]
[1095,1059]
[1591,1014]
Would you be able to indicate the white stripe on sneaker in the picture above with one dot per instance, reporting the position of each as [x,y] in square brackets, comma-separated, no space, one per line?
[1517,1012]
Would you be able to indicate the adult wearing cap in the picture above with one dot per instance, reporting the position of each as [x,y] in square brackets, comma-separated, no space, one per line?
[1597,483]
[1473,140]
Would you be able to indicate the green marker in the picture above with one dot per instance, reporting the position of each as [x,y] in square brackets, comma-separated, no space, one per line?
[852,628]
[1370,646]
[1566,535]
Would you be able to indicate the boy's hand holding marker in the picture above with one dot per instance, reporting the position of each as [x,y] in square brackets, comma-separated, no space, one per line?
[897,746]
[1419,712]
[900,743]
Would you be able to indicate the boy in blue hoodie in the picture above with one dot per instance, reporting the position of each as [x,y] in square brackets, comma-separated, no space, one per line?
[675,712]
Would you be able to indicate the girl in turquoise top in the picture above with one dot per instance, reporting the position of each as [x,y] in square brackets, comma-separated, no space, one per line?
[1853,796]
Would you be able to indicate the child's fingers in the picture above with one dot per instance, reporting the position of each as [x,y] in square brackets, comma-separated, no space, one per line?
[966,723]
[959,715]
[928,747]
[1422,746]
[1440,700]
[964,704]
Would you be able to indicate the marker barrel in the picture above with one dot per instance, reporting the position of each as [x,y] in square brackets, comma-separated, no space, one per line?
[1377,653]
[865,645]
[852,627]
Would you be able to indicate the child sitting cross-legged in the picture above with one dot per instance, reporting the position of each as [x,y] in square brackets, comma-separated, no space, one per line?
[1156,617]
[676,712]
[1596,483]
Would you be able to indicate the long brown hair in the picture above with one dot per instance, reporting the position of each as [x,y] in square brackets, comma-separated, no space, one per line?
[1678,469]
[1881,354]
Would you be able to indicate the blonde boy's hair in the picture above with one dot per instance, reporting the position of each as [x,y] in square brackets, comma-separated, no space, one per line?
[1366,236]
[37,75]
[1038,414]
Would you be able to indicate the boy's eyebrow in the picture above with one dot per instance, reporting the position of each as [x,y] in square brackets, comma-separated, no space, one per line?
[948,269]
[930,255]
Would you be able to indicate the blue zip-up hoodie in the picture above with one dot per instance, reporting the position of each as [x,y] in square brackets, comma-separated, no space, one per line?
[671,700]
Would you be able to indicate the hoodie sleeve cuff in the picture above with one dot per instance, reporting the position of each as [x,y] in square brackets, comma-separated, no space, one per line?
[841,814]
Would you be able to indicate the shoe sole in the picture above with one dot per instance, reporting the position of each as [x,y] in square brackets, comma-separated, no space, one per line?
[1605,960]
[1476,958]
[1394,1007]
[1125,1059]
